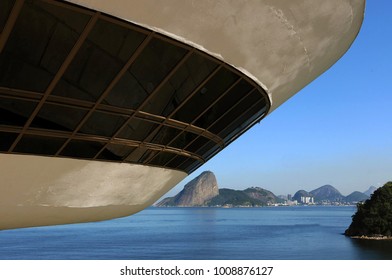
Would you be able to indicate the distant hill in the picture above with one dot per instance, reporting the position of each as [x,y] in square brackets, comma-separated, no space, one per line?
[254,196]
[370,191]
[203,191]
[355,197]
[301,193]
[195,193]
[327,193]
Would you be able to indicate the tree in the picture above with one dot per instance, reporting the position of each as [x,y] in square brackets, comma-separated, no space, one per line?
[374,216]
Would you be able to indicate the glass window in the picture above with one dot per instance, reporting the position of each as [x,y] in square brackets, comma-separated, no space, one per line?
[6,140]
[5,9]
[40,41]
[137,130]
[166,135]
[41,145]
[178,160]
[58,117]
[116,152]
[103,124]
[216,86]
[99,60]
[189,165]
[243,122]
[127,93]
[234,112]
[82,149]
[180,85]
[183,140]
[162,158]
[197,144]
[14,111]
[155,62]
[225,104]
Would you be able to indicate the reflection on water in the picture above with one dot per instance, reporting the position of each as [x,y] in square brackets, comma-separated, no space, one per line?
[373,249]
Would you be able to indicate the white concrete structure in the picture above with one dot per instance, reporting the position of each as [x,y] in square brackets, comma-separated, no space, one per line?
[276,46]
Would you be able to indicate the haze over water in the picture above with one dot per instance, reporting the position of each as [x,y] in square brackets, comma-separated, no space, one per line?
[285,233]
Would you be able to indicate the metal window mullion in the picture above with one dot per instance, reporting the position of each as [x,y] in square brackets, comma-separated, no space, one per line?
[9,25]
[58,75]
[201,114]
[117,78]
[240,116]
[221,117]
[194,92]
[148,98]
[208,108]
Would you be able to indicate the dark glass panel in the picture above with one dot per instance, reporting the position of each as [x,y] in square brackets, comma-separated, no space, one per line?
[39,145]
[90,73]
[147,155]
[137,130]
[162,159]
[128,93]
[183,140]
[6,140]
[197,144]
[116,40]
[155,62]
[233,113]
[165,135]
[5,9]
[103,124]
[58,117]
[225,104]
[42,38]
[186,165]
[240,125]
[180,85]
[116,152]
[216,86]
[99,60]
[82,149]
[208,149]
[15,111]
[178,160]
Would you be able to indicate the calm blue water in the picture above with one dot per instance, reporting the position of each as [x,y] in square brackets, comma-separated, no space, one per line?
[284,233]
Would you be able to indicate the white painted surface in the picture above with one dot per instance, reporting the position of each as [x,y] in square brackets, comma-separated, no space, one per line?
[282,44]
[33,186]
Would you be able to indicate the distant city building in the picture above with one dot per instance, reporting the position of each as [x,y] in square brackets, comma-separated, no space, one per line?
[289,197]
[307,200]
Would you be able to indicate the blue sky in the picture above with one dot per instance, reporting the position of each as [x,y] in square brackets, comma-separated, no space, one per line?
[337,130]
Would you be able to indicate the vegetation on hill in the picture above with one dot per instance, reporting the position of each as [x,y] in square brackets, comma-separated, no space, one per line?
[374,217]
[250,197]
[327,193]
[356,197]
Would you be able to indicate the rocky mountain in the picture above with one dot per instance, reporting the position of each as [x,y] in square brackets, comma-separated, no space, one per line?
[203,191]
[355,197]
[327,193]
[370,191]
[195,193]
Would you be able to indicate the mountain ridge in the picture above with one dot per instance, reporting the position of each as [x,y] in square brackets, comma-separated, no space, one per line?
[204,191]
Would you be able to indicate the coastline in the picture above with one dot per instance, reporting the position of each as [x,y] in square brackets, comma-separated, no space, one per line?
[365,237]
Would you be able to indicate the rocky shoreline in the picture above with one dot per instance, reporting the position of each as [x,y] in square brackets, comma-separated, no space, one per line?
[364,237]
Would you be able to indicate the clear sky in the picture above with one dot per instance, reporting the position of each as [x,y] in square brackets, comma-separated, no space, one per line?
[337,130]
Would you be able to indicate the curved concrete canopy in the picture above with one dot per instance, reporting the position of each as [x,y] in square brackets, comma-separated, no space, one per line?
[282,44]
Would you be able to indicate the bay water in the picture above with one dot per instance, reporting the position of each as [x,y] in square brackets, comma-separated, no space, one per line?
[271,233]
